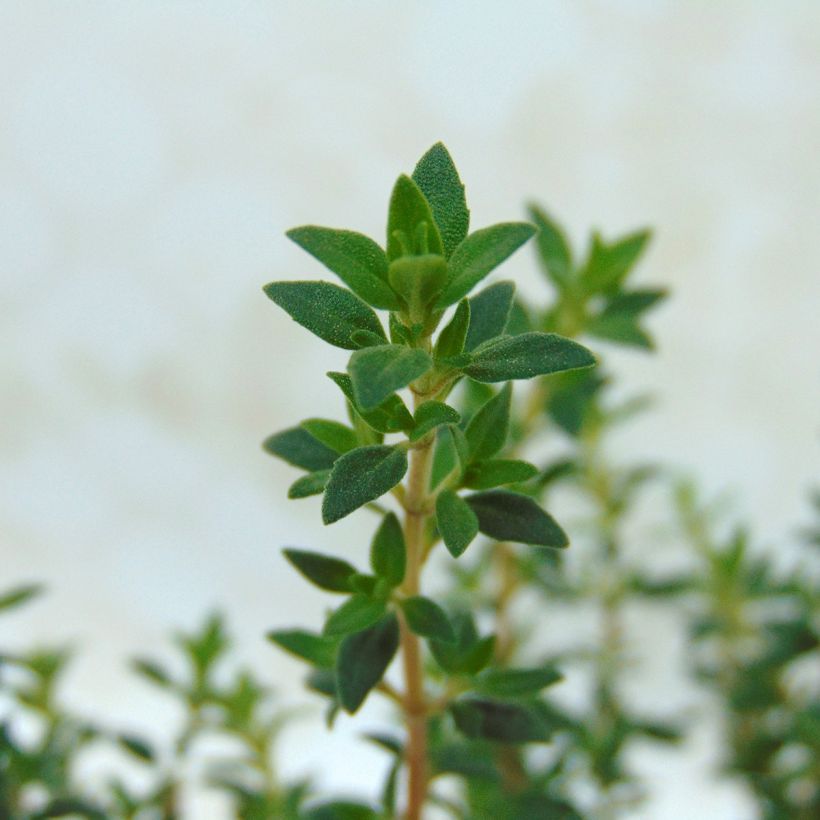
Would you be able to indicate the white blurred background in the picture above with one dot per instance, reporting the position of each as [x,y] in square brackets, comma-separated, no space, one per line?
[153,153]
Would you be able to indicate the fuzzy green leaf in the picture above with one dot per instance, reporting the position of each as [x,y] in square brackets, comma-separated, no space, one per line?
[493,473]
[487,431]
[553,248]
[432,414]
[489,313]
[391,416]
[408,210]
[301,449]
[331,312]
[317,650]
[499,721]
[469,654]
[376,372]
[479,254]
[333,434]
[326,572]
[622,329]
[428,619]
[508,516]
[456,522]
[526,356]
[446,457]
[363,659]
[360,476]
[510,683]
[438,179]
[388,552]
[357,613]
[308,485]
[451,340]
[356,259]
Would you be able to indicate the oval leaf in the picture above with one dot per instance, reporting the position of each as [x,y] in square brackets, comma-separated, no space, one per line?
[388,552]
[525,356]
[360,476]
[456,522]
[508,516]
[428,619]
[376,372]
[325,571]
[331,312]
[408,209]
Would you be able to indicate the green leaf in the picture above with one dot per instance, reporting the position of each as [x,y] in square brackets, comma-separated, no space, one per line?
[318,650]
[388,552]
[510,683]
[553,249]
[356,259]
[331,312]
[499,721]
[489,313]
[438,179]
[301,449]
[487,431]
[391,416]
[428,619]
[418,280]
[408,209]
[376,372]
[360,476]
[633,303]
[363,659]
[354,615]
[479,254]
[136,746]
[326,572]
[469,654]
[451,340]
[456,522]
[508,516]
[154,672]
[308,485]
[432,414]
[609,264]
[446,457]
[333,434]
[19,595]
[340,810]
[525,356]
[488,474]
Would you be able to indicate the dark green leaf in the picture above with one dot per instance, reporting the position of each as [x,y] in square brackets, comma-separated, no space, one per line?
[438,179]
[388,552]
[391,416]
[356,259]
[363,659]
[376,372]
[553,248]
[609,264]
[499,721]
[428,619]
[408,210]
[333,434]
[488,474]
[489,313]
[487,431]
[451,340]
[326,572]
[137,746]
[510,683]
[331,312]
[308,485]
[508,516]
[525,356]
[340,810]
[479,254]
[432,414]
[19,595]
[446,457]
[456,522]
[469,654]
[354,615]
[318,650]
[153,672]
[301,449]
[360,476]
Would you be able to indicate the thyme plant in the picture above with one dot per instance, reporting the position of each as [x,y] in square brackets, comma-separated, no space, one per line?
[422,280]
